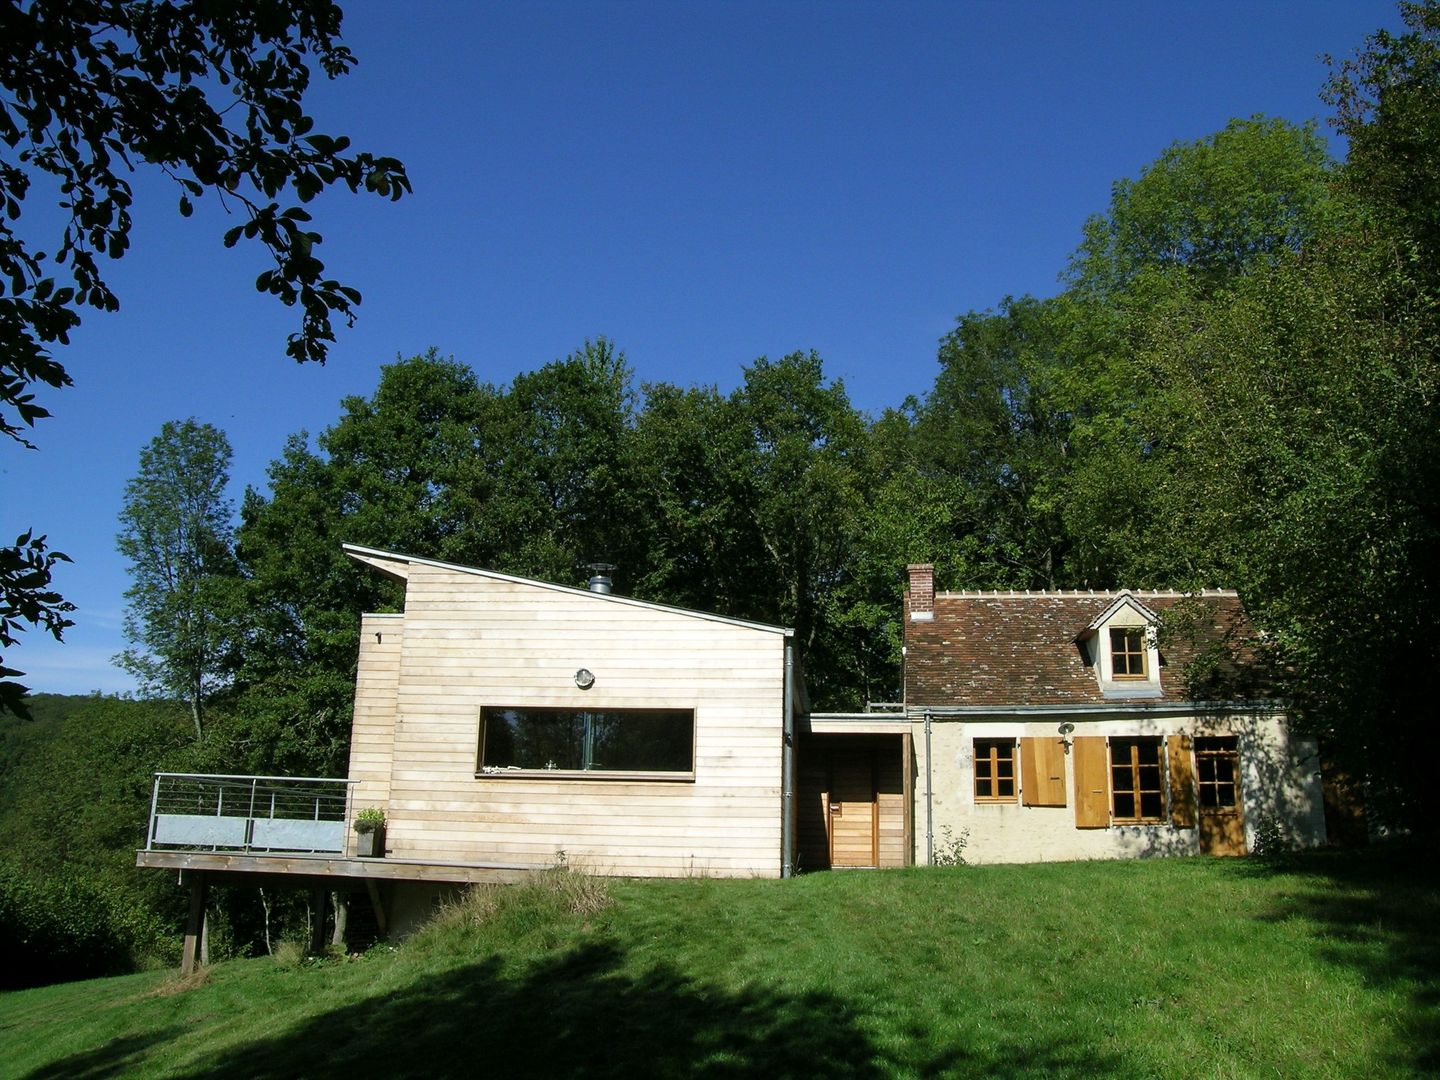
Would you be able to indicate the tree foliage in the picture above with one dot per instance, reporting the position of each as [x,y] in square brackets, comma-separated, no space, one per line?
[208,95]
[176,532]
[26,599]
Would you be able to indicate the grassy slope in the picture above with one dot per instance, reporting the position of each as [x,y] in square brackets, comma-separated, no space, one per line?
[1183,967]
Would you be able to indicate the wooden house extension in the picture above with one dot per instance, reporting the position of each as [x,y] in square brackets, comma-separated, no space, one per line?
[501,719]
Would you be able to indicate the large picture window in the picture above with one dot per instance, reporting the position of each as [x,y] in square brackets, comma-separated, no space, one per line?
[575,740]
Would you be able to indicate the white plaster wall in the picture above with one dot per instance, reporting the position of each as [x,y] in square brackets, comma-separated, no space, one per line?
[1279,779]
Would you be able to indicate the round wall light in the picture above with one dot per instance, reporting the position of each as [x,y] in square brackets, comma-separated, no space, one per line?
[584,679]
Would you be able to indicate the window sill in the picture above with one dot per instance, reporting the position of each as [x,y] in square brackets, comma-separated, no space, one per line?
[586,774]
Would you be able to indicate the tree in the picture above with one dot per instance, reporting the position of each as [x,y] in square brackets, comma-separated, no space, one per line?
[757,501]
[1212,207]
[991,431]
[176,531]
[26,598]
[209,95]
[1387,102]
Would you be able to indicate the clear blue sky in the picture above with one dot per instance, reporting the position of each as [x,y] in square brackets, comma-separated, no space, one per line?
[702,183]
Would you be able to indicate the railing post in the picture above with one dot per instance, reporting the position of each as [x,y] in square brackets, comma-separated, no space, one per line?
[154,802]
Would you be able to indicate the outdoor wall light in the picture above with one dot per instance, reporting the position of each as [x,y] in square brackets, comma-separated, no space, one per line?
[584,679]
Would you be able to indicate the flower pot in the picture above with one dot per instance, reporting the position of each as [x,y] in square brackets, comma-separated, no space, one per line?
[370,845]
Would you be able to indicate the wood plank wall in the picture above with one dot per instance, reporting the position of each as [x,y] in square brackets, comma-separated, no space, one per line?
[471,641]
[813,796]
[377,681]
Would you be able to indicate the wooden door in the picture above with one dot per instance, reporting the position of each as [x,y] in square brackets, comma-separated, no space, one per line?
[1217,783]
[854,821]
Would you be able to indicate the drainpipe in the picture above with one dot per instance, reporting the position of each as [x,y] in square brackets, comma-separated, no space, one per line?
[787,767]
[929,803]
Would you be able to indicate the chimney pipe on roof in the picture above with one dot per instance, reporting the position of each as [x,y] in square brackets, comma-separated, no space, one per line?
[922,591]
[600,577]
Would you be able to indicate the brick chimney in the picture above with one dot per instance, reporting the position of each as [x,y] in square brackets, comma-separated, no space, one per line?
[922,591]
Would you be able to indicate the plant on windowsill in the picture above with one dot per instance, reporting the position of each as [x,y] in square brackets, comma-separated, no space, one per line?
[370,833]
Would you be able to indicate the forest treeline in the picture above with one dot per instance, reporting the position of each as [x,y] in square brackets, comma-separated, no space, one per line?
[1235,386]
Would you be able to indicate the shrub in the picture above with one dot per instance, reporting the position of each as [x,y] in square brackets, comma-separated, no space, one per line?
[950,851]
[371,819]
[69,926]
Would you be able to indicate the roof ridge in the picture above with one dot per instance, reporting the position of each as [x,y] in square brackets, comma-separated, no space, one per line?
[1096,594]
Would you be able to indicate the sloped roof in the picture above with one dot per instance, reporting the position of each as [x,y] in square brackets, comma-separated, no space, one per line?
[397,566]
[1023,649]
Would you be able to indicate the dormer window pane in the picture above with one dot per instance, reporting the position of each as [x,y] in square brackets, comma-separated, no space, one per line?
[1127,652]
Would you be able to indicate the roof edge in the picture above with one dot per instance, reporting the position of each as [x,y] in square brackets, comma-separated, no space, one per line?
[381,560]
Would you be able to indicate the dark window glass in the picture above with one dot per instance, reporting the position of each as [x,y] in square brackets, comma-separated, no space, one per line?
[1127,652]
[618,740]
[1217,767]
[995,770]
[1135,780]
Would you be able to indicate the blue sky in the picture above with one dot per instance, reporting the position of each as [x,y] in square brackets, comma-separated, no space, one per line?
[702,183]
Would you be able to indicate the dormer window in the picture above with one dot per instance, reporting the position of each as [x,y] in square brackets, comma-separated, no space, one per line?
[1127,652]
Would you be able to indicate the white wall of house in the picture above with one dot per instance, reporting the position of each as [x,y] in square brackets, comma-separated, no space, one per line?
[467,641]
[1280,782]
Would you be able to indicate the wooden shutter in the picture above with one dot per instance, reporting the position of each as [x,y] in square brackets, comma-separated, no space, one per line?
[1182,782]
[1042,772]
[1092,783]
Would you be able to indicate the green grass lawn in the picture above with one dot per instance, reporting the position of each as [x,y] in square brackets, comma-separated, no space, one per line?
[1327,965]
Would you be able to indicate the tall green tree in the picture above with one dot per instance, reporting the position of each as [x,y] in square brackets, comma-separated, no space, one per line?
[208,95]
[756,504]
[1387,102]
[399,470]
[176,531]
[993,433]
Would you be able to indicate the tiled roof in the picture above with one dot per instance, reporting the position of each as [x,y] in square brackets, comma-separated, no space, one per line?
[1015,649]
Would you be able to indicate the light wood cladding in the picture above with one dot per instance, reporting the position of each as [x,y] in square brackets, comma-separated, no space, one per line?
[872,827]
[473,640]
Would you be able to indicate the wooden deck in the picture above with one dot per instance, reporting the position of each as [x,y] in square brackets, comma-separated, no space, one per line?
[321,874]
[328,867]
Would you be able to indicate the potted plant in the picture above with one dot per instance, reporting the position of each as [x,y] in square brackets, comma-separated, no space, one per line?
[370,833]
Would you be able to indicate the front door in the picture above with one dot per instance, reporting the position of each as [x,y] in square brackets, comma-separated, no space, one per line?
[1217,779]
[854,822]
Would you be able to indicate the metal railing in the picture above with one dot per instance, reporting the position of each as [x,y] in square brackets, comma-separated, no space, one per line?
[292,814]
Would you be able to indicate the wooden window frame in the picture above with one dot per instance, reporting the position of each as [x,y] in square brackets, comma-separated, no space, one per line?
[1131,767]
[1209,751]
[992,760]
[1120,639]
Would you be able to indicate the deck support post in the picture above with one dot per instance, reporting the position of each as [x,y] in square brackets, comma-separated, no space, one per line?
[199,884]
[373,888]
[317,919]
[341,903]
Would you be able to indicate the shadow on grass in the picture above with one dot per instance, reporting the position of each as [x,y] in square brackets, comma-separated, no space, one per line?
[582,1014]
[1378,910]
[118,1057]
